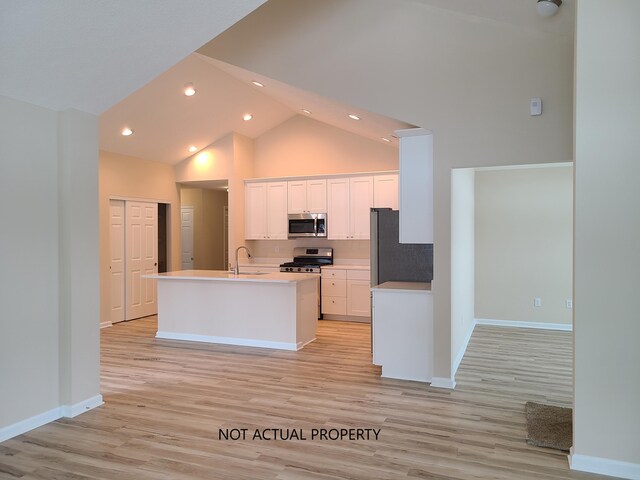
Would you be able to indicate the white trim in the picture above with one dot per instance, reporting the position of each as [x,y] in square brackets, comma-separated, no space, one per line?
[442,382]
[138,199]
[244,342]
[463,348]
[565,327]
[604,466]
[105,324]
[30,423]
[49,416]
[524,166]
[76,409]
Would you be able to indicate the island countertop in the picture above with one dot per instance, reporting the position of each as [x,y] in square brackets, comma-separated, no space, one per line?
[223,275]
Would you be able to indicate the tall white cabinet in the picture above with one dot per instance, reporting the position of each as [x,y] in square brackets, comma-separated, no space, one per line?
[349,200]
[266,211]
[416,185]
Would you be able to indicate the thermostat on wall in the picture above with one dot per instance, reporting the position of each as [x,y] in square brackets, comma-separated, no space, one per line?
[536,106]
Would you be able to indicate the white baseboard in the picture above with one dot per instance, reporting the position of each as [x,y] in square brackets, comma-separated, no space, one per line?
[566,327]
[105,324]
[76,409]
[463,348]
[244,342]
[30,423]
[604,466]
[41,419]
[441,382]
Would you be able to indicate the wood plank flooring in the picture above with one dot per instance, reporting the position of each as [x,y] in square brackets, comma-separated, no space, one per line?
[165,402]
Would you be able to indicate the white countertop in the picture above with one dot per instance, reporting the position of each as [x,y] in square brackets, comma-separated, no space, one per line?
[222,275]
[346,267]
[408,287]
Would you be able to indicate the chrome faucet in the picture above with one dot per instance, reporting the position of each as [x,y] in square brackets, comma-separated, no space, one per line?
[237,272]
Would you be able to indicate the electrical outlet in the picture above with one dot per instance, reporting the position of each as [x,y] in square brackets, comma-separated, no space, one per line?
[537,302]
[568,303]
[277,249]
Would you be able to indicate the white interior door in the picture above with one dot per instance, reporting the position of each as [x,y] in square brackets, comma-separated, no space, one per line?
[141,221]
[186,227]
[116,261]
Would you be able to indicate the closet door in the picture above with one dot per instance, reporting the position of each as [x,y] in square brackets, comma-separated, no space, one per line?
[116,261]
[141,220]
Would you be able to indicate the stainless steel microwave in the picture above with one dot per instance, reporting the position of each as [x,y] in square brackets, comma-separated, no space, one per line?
[307,225]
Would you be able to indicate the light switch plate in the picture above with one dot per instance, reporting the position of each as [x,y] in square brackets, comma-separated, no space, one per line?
[536,106]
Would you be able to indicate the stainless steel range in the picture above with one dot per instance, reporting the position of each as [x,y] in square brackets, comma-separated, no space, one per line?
[308,260]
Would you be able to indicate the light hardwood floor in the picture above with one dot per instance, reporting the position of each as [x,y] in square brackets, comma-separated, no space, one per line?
[165,402]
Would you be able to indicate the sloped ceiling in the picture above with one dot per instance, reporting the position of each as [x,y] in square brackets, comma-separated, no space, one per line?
[166,122]
[89,54]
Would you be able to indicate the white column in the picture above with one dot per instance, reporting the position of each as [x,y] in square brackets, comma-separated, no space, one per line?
[607,229]
[79,275]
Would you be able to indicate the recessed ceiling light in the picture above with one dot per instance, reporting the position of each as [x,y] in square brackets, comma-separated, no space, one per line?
[308,112]
[127,131]
[354,117]
[193,148]
[257,84]
[189,91]
[247,117]
[385,139]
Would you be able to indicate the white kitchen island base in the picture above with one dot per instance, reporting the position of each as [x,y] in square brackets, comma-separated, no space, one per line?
[270,311]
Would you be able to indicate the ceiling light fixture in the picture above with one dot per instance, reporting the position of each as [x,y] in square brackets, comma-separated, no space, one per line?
[126,131]
[308,112]
[385,139]
[548,8]
[193,148]
[257,84]
[189,91]
[354,117]
[247,117]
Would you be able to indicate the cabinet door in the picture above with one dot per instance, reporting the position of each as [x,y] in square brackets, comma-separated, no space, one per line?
[338,209]
[385,191]
[277,210]
[297,196]
[255,215]
[358,298]
[361,201]
[317,196]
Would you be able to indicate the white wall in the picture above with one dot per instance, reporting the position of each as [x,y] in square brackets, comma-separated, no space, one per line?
[49,342]
[303,146]
[29,275]
[524,243]
[607,229]
[462,261]
[466,78]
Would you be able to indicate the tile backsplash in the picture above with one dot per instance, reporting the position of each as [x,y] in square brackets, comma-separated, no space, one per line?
[283,249]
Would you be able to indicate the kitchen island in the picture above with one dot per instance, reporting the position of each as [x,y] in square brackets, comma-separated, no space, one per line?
[273,310]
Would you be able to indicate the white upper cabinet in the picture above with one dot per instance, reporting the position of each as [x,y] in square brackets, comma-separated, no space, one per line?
[361,201]
[307,196]
[385,191]
[416,185]
[349,201]
[266,211]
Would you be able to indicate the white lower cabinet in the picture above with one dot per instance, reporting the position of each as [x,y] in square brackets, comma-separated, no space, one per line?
[346,293]
[403,330]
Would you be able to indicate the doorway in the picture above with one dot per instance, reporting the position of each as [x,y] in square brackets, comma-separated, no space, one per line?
[138,246]
[203,222]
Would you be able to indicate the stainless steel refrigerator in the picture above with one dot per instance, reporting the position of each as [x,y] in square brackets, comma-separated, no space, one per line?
[392,260]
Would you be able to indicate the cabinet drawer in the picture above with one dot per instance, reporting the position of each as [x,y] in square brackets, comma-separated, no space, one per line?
[334,287]
[358,275]
[334,273]
[334,305]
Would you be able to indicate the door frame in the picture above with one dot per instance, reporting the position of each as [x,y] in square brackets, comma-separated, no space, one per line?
[170,244]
